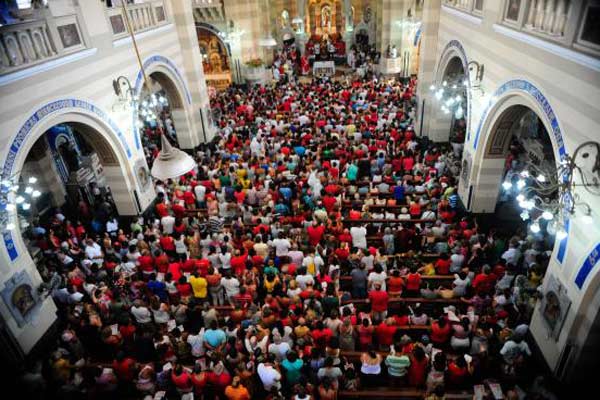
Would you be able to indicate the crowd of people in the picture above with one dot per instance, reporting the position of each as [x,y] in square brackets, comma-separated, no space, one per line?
[319,247]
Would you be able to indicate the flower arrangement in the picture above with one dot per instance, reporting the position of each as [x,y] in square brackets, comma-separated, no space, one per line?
[254,63]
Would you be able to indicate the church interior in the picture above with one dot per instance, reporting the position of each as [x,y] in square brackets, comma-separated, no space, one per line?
[300,199]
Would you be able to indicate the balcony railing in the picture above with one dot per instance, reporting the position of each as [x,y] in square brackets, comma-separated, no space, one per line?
[25,44]
[567,23]
[142,17]
[548,18]
[469,6]
[38,40]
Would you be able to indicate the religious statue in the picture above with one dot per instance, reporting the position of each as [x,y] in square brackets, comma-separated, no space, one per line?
[348,15]
[304,65]
[326,18]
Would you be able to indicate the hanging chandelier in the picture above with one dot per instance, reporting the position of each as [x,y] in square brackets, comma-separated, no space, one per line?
[15,196]
[232,34]
[550,196]
[450,96]
[451,93]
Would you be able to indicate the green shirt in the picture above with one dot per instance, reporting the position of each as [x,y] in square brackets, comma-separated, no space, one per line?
[292,370]
[397,365]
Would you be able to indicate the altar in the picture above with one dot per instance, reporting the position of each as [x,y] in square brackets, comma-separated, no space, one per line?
[321,68]
[390,66]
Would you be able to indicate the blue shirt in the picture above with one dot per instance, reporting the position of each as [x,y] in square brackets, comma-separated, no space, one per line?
[159,289]
[286,192]
[214,337]
[300,150]
[399,193]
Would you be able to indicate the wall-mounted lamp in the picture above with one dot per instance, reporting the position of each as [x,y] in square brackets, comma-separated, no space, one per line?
[478,69]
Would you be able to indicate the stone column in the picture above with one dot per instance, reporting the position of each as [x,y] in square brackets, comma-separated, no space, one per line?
[183,17]
[427,63]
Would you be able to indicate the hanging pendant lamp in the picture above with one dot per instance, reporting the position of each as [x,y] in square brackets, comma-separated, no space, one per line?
[171,162]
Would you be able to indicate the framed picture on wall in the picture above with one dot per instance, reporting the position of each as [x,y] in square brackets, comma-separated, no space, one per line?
[69,35]
[21,298]
[555,306]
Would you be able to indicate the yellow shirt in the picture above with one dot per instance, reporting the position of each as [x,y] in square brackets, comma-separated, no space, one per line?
[429,269]
[301,331]
[199,285]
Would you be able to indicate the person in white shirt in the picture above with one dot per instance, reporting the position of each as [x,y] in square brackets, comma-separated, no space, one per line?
[94,252]
[141,313]
[112,227]
[269,376]
[303,279]
[200,192]
[377,277]
[167,223]
[359,236]
[279,348]
[456,260]
[512,255]
[282,246]
[231,285]
[196,343]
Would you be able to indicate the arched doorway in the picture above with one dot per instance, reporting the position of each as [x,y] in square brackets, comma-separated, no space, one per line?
[124,174]
[518,107]
[216,57]
[163,79]
[161,111]
[79,176]
[450,104]
[518,142]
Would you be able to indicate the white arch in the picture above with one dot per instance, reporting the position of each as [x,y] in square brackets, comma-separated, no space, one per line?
[183,114]
[57,112]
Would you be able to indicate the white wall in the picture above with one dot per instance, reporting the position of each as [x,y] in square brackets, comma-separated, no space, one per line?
[571,84]
[88,75]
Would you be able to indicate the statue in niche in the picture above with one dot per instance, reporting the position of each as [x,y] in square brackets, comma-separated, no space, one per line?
[326,18]
[285,19]
[348,15]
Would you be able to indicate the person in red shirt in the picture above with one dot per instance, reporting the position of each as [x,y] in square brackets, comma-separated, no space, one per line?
[161,261]
[125,368]
[485,281]
[321,335]
[238,262]
[175,270]
[395,284]
[178,209]
[440,331]
[379,303]
[458,372]
[442,265]
[189,198]
[315,233]
[181,379]
[146,263]
[184,288]
[365,335]
[168,244]
[413,283]
[243,299]
[418,367]
[385,333]
[328,202]
[354,215]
